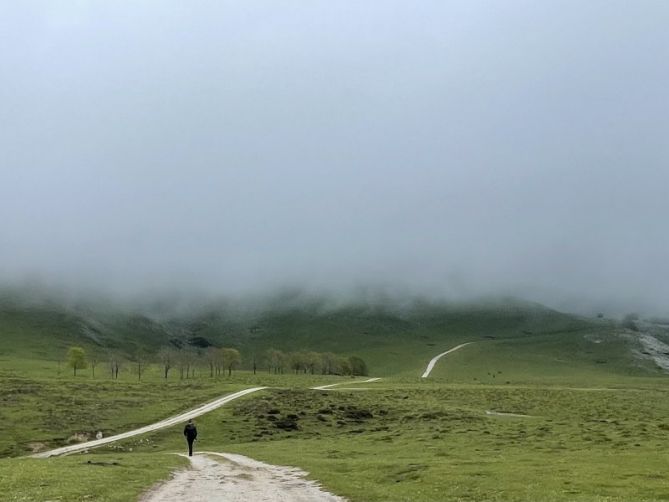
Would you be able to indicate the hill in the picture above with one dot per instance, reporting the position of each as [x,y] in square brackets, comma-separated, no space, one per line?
[536,388]
[515,337]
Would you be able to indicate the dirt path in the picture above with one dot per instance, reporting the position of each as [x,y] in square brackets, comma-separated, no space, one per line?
[506,414]
[225,477]
[330,387]
[434,360]
[169,422]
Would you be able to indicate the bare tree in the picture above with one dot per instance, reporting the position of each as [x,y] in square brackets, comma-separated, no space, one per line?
[114,364]
[211,356]
[167,357]
[220,361]
[187,359]
[141,360]
[93,361]
[275,360]
[284,361]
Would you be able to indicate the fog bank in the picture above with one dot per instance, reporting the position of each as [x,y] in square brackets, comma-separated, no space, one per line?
[448,148]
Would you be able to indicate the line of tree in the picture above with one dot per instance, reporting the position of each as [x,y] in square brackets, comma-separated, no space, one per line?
[219,361]
[325,363]
[186,361]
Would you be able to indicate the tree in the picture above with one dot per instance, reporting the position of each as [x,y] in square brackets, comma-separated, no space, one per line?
[358,366]
[312,361]
[284,360]
[232,358]
[76,359]
[297,361]
[182,362]
[167,358]
[93,361]
[220,361]
[275,360]
[343,366]
[114,364]
[186,361]
[211,355]
[141,360]
[329,363]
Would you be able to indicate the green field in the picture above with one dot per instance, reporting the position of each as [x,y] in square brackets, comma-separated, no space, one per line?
[588,416]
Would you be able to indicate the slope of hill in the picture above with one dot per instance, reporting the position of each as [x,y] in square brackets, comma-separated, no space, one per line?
[394,339]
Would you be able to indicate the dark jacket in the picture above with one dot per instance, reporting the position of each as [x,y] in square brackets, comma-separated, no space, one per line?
[190,431]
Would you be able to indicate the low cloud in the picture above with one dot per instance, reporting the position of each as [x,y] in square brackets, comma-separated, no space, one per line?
[453,149]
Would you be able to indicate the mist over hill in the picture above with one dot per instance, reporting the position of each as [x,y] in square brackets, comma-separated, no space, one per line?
[184,304]
[232,149]
[392,332]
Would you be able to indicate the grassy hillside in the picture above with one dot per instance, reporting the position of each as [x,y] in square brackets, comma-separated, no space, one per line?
[393,340]
[426,441]
[589,413]
[594,355]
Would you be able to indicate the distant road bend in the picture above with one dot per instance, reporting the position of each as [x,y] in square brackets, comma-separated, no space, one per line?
[434,360]
[332,385]
[169,422]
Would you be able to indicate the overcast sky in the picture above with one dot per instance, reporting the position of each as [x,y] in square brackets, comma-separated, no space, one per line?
[467,147]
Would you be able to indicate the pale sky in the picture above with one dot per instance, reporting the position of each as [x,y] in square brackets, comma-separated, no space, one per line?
[452,147]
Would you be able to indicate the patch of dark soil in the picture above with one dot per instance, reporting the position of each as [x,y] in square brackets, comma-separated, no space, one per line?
[358,414]
[104,464]
[287,423]
[412,472]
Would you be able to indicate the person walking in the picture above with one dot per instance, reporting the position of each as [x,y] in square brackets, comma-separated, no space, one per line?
[190,431]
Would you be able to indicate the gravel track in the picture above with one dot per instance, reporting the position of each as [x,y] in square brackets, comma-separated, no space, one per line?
[433,361]
[226,477]
[169,422]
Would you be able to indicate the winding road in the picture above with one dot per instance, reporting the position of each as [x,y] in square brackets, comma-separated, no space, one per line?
[168,422]
[226,477]
[205,408]
[433,361]
[333,385]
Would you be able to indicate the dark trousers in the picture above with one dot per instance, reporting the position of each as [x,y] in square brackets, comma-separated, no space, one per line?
[190,446]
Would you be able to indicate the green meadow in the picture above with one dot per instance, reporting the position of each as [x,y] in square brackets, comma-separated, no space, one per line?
[542,407]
